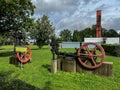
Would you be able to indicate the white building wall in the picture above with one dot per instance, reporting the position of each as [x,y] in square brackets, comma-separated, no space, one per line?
[70,44]
[112,41]
[101,40]
[97,40]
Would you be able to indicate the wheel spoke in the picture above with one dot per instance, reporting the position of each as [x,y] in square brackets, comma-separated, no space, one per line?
[93,61]
[78,54]
[85,61]
[27,54]
[94,49]
[87,49]
[82,54]
[98,55]
[21,55]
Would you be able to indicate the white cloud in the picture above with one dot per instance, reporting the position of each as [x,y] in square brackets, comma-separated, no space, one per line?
[79,14]
[49,6]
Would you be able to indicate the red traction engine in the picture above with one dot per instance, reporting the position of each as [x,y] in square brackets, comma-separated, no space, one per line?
[90,55]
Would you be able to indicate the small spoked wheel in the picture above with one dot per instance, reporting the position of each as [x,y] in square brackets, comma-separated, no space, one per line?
[24,57]
[91,55]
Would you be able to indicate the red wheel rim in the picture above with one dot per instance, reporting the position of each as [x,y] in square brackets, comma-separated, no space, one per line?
[91,55]
[24,57]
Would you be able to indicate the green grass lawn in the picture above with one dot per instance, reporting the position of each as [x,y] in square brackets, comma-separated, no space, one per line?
[37,76]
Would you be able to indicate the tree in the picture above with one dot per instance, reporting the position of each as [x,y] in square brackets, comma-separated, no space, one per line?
[93,31]
[15,14]
[119,34]
[104,32]
[44,30]
[76,36]
[112,33]
[66,35]
[87,32]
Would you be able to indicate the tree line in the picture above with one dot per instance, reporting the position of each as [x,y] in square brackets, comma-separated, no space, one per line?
[15,15]
[78,35]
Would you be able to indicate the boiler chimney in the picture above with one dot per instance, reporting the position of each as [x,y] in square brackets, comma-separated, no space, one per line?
[98,24]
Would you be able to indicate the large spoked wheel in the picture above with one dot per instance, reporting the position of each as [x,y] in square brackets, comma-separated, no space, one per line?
[91,55]
[24,57]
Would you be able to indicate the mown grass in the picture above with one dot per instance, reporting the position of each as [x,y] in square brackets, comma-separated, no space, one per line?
[37,76]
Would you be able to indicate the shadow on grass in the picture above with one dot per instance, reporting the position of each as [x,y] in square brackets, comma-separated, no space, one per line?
[47,66]
[47,86]
[35,49]
[8,83]
[1,49]
[40,49]
[5,54]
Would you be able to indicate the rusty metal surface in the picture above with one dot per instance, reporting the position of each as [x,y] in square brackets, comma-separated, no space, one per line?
[24,57]
[98,23]
[91,58]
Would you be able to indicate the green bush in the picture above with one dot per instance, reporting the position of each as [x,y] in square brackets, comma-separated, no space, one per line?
[112,49]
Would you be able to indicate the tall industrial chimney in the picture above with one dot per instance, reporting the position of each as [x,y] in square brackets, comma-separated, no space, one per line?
[98,24]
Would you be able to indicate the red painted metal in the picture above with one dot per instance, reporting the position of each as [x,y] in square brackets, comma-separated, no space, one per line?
[24,57]
[91,55]
[98,24]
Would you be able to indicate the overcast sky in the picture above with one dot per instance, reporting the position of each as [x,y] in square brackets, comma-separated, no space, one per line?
[79,14]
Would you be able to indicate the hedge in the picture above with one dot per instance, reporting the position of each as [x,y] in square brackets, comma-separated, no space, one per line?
[112,49]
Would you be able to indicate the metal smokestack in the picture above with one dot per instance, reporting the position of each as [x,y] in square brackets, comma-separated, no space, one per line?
[98,23]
